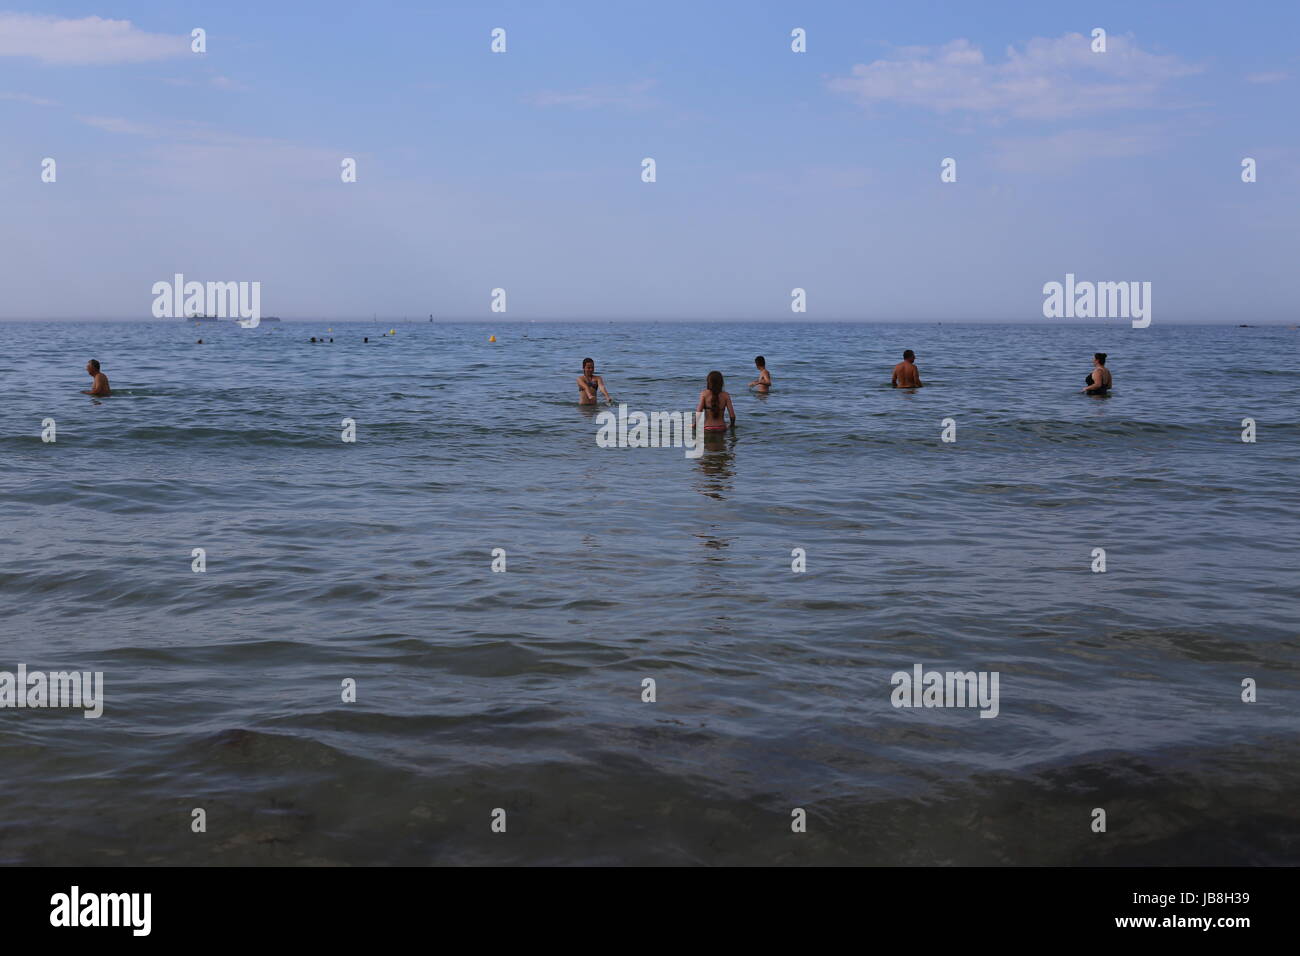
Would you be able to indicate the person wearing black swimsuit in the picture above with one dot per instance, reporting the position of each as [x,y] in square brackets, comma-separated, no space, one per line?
[589,383]
[1098,380]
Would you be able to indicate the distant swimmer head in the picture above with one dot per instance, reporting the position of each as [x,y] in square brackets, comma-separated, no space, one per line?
[1099,357]
[909,356]
[366,339]
[760,361]
[313,338]
[714,384]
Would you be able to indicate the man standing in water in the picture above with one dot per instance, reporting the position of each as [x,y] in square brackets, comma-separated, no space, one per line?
[99,381]
[905,372]
[589,382]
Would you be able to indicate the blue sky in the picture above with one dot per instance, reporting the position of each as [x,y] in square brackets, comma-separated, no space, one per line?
[774,169]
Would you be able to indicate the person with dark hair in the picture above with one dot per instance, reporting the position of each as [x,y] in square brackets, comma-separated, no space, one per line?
[906,374]
[713,402]
[764,380]
[1098,380]
[589,383]
[99,381]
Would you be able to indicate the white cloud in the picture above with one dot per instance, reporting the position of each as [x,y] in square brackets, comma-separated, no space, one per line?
[113,124]
[27,98]
[631,96]
[1069,148]
[216,82]
[1272,76]
[88,41]
[1049,79]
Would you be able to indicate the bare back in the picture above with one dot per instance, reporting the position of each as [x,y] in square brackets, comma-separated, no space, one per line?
[906,375]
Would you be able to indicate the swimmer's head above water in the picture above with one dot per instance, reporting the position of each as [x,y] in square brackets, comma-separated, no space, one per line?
[99,386]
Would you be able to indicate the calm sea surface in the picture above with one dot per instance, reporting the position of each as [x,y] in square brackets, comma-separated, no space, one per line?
[522,690]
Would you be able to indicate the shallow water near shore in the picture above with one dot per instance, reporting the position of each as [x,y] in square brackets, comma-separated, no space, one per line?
[522,690]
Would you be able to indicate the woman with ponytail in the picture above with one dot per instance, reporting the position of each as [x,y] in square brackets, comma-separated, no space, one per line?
[1098,380]
[713,402]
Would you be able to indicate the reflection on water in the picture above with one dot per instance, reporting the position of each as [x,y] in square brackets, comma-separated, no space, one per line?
[717,465]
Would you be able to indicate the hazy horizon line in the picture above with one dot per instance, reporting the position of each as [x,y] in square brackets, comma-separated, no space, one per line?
[389,320]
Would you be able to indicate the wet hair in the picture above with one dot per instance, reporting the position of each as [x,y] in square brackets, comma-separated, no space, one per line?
[1100,357]
[586,360]
[909,355]
[94,364]
[760,361]
[714,384]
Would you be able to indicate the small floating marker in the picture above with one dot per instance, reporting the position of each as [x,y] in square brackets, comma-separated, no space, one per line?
[392,331]
[492,338]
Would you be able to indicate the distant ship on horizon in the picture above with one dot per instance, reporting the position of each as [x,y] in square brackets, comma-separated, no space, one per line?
[212,318]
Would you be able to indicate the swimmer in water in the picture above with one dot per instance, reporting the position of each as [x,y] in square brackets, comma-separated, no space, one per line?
[99,381]
[589,383]
[1098,380]
[713,402]
[764,380]
[906,374]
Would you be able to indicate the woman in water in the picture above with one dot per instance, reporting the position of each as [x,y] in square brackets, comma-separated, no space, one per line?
[713,402]
[589,382]
[1098,380]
